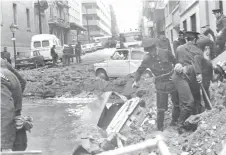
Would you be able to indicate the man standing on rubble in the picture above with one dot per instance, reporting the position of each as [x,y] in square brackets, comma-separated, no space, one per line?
[161,63]
[186,79]
[180,41]
[54,55]
[221,30]
[207,31]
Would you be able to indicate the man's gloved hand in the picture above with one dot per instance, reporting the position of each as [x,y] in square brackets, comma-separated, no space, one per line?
[199,78]
[178,68]
[134,85]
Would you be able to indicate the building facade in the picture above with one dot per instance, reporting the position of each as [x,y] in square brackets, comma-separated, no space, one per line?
[75,20]
[153,11]
[23,15]
[58,19]
[96,17]
[190,15]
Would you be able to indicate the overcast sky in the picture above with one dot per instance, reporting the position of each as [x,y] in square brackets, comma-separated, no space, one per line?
[127,13]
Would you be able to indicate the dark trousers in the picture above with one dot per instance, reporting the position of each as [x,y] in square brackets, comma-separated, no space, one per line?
[54,59]
[78,58]
[186,99]
[220,45]
[162,106]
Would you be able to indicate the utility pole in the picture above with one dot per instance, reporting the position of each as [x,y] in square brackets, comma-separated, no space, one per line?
[40,18]
[87,24]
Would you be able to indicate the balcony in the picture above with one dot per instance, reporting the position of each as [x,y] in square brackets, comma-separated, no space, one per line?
[54,20]
[176,17]
[169,20]
[96,33]
[62,3]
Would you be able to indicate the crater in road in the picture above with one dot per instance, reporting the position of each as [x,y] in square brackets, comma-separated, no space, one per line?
[57,123]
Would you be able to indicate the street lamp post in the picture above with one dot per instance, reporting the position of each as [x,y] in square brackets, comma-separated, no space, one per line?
[13,30]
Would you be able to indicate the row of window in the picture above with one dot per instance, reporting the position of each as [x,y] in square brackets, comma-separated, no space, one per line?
[193,23]
[15,16]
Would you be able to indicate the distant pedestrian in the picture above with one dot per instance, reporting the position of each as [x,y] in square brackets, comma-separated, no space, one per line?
[180,41]
[221,30]
[71,48]
[66,55]
[164,42]
[54,55]
[78,52]
[6,55]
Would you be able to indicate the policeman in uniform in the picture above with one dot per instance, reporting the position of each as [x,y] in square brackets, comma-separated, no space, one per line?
[205,43]
[187,78]
[12,86]
[164,42]
[221,30]
[207,31]
[180,41]
[161,63]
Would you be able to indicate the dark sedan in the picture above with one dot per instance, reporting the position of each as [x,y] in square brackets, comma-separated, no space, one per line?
[34,61]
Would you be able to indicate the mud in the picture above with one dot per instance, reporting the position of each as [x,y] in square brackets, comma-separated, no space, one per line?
[73,80]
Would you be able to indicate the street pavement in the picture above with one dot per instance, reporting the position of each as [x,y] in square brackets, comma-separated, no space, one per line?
[54,130]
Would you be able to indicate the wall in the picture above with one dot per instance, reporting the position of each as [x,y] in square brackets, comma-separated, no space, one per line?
[187,13]
[23,34]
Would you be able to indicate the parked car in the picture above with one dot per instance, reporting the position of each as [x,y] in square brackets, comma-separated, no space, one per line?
[93,47]
[44,43]
[34,61]
[87,48]
[121,63]
[99,45]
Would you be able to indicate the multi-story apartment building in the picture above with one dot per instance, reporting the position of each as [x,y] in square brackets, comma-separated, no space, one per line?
[23,14]
[58,19]
[96,17]
[75,20]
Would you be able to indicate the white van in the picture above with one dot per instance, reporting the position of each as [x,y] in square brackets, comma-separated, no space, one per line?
[44,43]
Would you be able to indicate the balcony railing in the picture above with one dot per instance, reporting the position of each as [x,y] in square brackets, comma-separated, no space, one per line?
[62,3]
[59,22]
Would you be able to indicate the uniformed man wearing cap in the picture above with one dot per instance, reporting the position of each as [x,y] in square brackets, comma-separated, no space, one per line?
[187,78]
[221,30]
[207,31]
[207,46]
[161,63]
[164,42]
[180,41]
[12,86]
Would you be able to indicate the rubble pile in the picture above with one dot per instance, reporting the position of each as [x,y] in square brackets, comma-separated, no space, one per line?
[51,82]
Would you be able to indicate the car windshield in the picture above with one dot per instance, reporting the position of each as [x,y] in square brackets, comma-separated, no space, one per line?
[37,44]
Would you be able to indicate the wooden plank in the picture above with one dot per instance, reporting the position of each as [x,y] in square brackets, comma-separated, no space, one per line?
[151,143]
[122,115]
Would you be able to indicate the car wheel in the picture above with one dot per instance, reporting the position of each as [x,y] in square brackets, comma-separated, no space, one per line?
[101,73]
